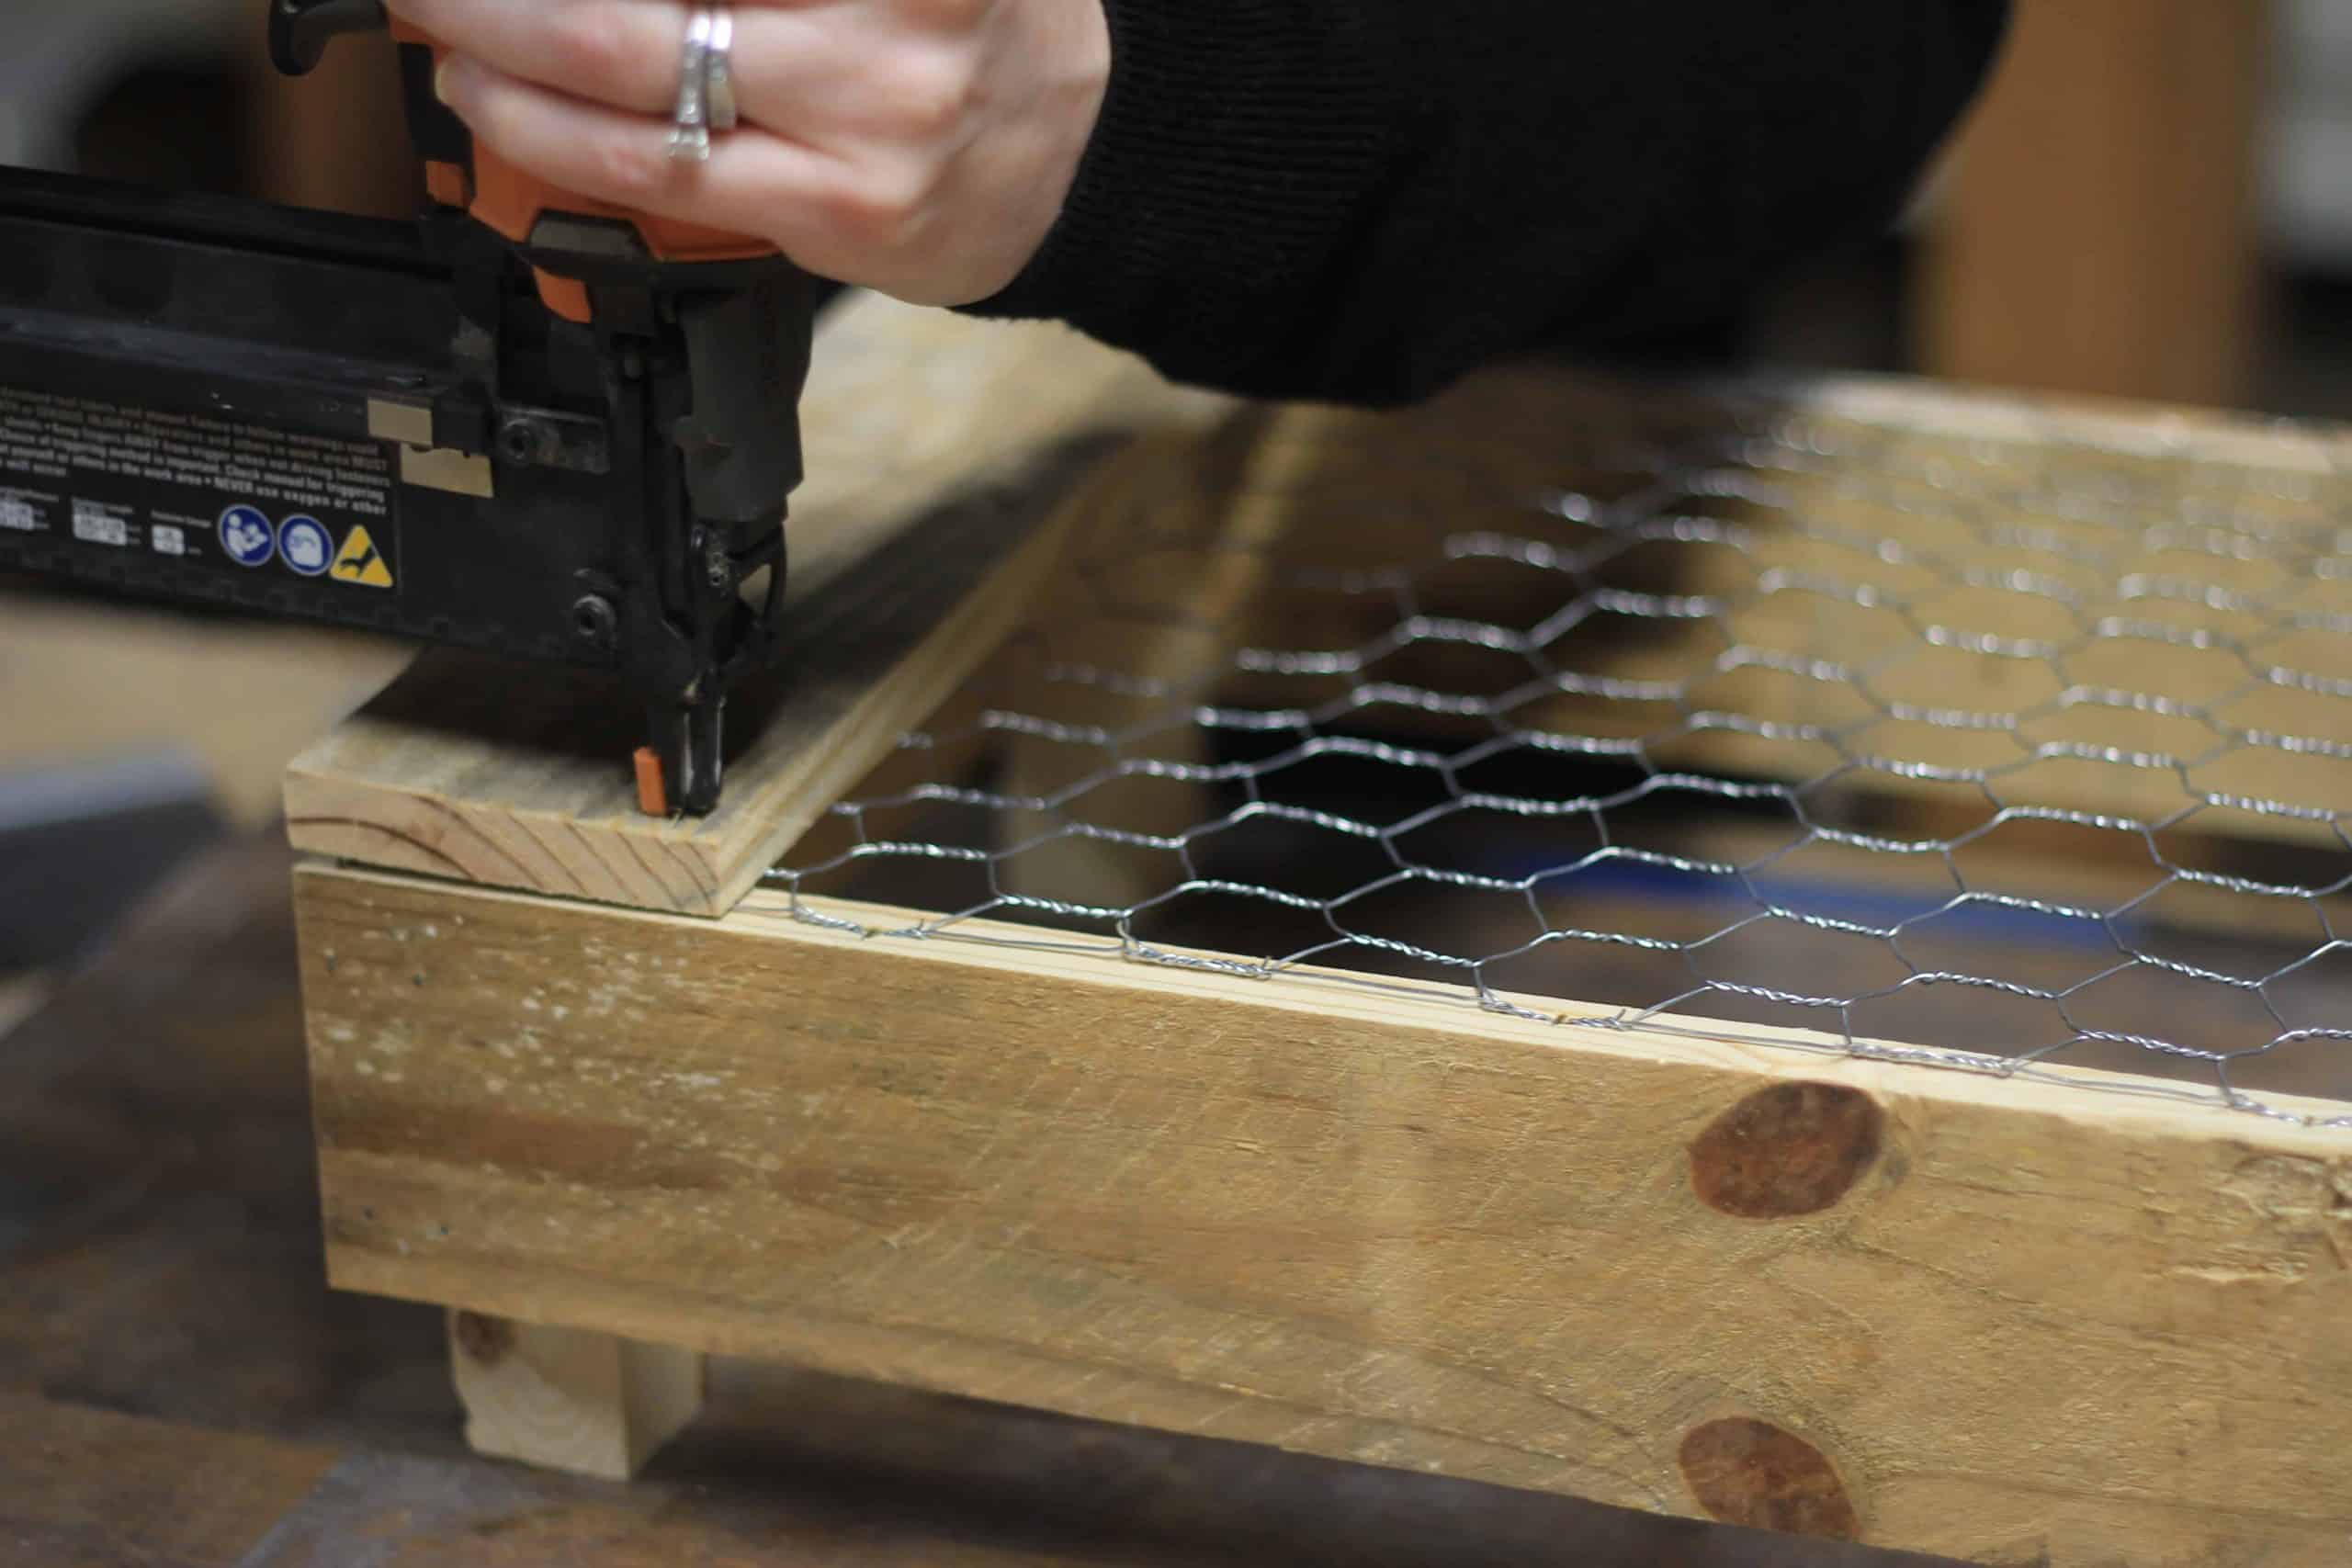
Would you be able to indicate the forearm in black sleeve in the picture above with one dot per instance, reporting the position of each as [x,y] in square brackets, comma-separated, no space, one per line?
[1362,199]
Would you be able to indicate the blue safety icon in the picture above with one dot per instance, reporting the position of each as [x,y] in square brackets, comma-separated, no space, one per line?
[246,537]
[307,546]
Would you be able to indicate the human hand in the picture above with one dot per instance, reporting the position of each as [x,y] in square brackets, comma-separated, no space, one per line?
[922,148]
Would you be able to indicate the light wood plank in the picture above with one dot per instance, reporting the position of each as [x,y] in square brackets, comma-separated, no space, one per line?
[2012,1321]
[940,451]
[569,1398]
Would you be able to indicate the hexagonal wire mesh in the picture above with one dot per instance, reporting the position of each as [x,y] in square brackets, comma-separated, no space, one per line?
[2006,750]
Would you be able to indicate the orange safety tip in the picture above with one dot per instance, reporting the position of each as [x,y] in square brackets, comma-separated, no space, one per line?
[652,795]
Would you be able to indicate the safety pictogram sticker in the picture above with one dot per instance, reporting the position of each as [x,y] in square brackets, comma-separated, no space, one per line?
[361,562]
[304,544]
[246,537]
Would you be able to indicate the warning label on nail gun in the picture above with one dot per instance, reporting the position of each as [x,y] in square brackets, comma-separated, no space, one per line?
[199,491]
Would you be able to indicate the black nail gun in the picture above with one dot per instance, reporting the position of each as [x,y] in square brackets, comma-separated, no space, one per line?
[526,424]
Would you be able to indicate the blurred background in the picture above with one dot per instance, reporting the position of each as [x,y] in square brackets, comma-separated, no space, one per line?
[2153,200]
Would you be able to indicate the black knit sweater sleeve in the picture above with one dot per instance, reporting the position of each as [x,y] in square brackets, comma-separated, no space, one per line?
[1362,199]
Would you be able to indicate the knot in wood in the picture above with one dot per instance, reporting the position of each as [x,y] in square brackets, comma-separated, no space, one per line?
[1790,1149]
[1746,1472]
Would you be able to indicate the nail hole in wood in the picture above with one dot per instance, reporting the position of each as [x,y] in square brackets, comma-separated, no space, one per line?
[1746,1472]
[1792,1150]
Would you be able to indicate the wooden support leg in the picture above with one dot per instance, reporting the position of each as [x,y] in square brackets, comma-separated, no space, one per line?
[568,1398]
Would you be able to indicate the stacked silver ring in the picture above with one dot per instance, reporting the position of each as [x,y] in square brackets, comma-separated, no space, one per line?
[706,84]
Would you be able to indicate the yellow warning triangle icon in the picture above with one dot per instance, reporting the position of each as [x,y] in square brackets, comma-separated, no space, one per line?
[361,562]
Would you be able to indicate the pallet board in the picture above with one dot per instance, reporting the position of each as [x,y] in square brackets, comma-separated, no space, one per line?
[2013,1322]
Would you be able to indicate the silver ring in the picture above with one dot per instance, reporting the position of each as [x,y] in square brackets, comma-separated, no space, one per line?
[690,129]
[718,74]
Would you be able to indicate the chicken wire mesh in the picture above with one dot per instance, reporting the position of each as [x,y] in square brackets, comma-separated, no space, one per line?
[2003,747]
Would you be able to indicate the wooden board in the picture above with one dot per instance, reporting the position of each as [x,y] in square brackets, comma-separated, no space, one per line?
[569,1398]
[2012,1321]
[2101,231]
[940,452]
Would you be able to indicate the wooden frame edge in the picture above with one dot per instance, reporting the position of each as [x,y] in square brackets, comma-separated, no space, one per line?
[2004,1317]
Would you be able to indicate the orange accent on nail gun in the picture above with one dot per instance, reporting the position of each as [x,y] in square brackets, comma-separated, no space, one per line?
[652,795]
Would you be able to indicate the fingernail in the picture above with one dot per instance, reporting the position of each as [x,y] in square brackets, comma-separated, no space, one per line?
[441,75]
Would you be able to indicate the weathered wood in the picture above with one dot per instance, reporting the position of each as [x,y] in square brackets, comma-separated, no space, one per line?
[940,451]
[569,1398]
[2014,1321]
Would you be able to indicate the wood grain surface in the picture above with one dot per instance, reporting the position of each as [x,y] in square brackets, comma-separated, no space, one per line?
[940,452]
[2015,1321]
[569,1398]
